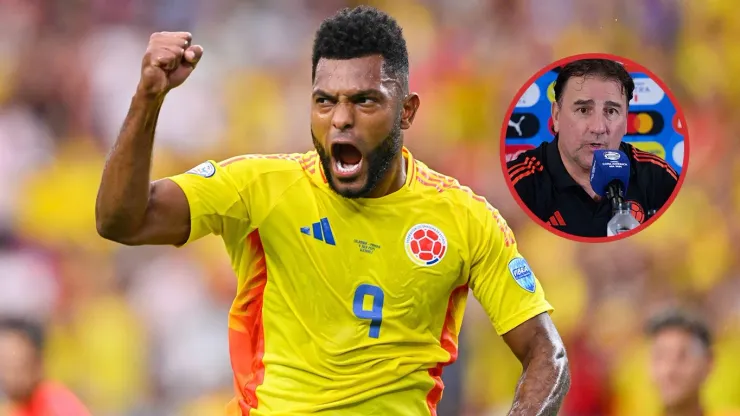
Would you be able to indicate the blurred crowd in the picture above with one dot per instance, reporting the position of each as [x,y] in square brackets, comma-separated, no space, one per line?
[143,331]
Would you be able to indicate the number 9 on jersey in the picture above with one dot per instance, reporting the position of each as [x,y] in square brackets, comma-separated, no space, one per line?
[375,312]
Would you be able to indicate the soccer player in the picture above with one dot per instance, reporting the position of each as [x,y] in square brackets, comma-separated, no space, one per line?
[22,376]
[353,260]
[589,112]
[681,361]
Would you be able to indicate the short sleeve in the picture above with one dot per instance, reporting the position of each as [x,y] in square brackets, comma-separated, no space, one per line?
[216,204]
[522,177]
[500,277]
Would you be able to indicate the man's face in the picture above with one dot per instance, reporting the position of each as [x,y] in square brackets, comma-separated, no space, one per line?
[592,115]
[357,114]
[679,365]
[20,366]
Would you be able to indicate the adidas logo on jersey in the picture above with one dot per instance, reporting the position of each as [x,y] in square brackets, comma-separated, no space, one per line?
[321,231]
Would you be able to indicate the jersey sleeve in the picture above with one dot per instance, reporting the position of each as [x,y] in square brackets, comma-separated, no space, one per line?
[216,203]
[522,175]
[500,277]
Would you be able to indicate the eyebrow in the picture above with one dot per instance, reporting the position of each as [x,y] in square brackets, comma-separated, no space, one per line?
[355,94]
[607,103]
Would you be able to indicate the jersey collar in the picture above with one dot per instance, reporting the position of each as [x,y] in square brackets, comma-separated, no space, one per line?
[410,167]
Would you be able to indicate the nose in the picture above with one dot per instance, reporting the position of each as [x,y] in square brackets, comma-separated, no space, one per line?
[598,124]
[343,117]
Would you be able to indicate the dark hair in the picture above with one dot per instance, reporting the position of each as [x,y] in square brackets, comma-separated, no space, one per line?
[360,32]
[604,68]
[680,319]
[32,331]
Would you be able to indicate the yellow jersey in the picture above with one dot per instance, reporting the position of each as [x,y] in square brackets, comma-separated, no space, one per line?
[352,306]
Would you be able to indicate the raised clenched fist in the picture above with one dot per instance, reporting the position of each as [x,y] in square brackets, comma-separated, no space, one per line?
[168,62]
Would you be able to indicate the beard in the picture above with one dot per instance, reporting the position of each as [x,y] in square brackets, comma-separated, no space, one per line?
[378,161]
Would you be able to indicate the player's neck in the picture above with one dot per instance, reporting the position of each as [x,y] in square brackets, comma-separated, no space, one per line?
[690,407]
[580,175]
[394,179]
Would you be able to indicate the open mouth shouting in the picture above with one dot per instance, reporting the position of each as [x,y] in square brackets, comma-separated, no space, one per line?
[346,161]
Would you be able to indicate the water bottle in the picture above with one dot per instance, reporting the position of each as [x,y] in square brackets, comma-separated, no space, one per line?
[622,220]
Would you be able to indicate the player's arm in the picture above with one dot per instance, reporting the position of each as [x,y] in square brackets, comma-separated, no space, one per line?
[508,290]
[129,209]
[545,377]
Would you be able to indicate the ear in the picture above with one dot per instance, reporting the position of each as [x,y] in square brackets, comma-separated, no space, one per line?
[555,111]
[410,105]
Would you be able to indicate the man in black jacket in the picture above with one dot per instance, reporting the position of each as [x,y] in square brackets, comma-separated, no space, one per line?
[589,113]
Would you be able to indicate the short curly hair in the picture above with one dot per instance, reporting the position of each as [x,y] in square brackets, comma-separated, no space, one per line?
[604,68]
[360,32]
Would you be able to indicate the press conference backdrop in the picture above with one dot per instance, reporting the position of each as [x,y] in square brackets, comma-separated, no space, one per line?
[653,123]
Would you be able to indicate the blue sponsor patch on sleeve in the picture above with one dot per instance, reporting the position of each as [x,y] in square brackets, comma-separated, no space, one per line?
[522,274]
[205,169]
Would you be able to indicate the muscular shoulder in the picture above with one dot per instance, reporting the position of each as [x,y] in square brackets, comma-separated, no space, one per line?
[444,188]
[257,165]
[268,169]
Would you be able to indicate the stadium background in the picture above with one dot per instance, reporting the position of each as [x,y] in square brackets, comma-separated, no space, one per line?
[142,331]
[653,123]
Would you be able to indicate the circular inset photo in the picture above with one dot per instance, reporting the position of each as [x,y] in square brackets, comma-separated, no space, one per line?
[594,147]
